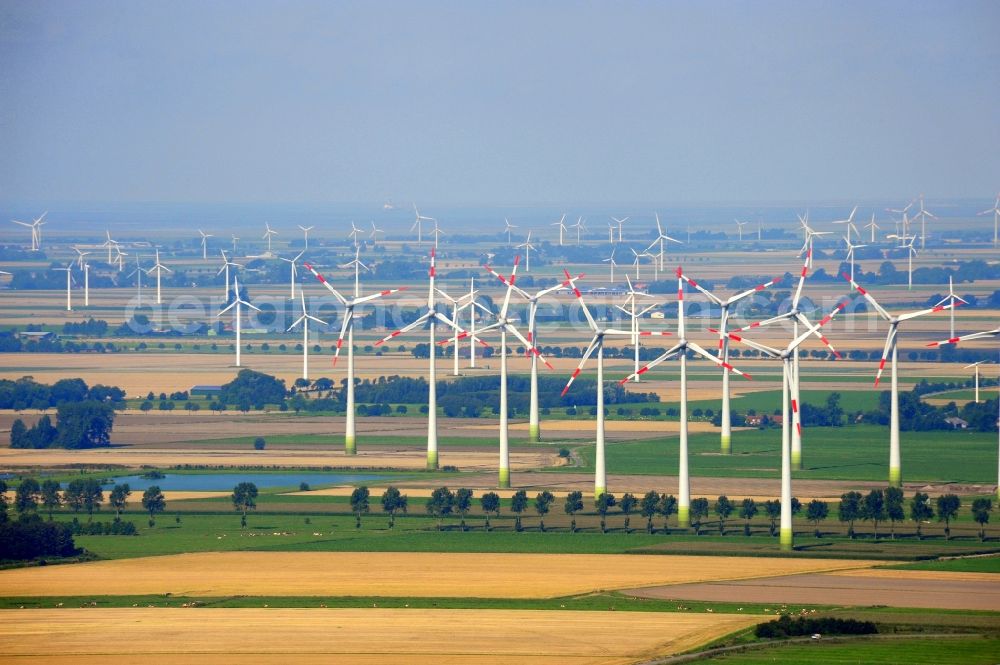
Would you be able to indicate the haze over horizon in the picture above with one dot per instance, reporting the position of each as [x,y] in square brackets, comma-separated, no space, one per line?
[470,104]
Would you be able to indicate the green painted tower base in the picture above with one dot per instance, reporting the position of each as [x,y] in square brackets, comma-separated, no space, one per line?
[785,538]
[598,491]
[895,477]
[432,461]
[797,460]
[350,446]
[683,517]
[727,445]
[534,436]
[504,478]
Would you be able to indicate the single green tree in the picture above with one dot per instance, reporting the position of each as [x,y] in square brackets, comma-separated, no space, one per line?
[981,509]
[153,502]
[392,503]
[604,503]
[573,505]
[259,443]
[518,504]
[921,511]
[772,510]
[244,499]
[627,504]
[748,510]
[873,508]
[359,504]
[699,511]
[849,510]
[51,497]
[463,503]
[490,503]
[3,501]
[648,506]
[543,502]
[816,512]
[118,498]
[27,495]
[947,510]
[894,508]
[667,507]
[723,508]
[440,505]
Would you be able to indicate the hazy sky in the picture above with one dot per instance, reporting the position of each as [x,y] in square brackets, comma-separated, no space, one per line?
[503,102]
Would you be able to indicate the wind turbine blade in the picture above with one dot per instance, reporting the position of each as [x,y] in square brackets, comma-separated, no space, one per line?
[705,292]
[583,305]
[586,354]
[322,280]
[348,317]
[977,335]
[405,329]
[890,339]
[380,294]
[922,312]
[666,355]
[885,315]
[718,361]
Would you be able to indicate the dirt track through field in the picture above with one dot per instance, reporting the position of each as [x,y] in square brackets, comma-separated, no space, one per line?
[895,588]
[369,636]
[407,574]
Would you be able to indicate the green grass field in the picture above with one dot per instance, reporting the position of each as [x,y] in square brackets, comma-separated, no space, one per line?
[986,564]
[908,650]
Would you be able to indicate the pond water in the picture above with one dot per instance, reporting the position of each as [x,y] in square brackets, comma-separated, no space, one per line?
[227,481]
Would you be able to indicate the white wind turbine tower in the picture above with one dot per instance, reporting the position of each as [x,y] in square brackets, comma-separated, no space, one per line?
[458,305]
[506,325]
[236,241]
[294,271]
[268,233]
[611,233]
[849,222]
[995,211]
[304,320]
[873,226]
[797,317]
[620,223]
[911,252]
[418,224]
[305,234]
[976,366]
[580,225]
[110,244]
[85,268]
[374,234]
[138,278]
[596,344]
[204,243]
[508,227]
[611,264]
[69,280]
[807,246]
[952,299]
[237,303]
[661,238]
[354,233]
[534,431]
[739,228]
[36,231]
[437,232]
[120,258]
[347,328]
[923,214]
[430,316]
[226,263]
[786,534]
[723,354]
[474,304]
[895,469]
[562,228]
[656,267]
[158,268]
[527,247]
[638,257]
[634,312]
[986,334]
[850,251]
[680,350]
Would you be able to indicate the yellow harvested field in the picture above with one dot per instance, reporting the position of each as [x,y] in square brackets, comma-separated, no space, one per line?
[367,636]
[414,459]
[918,575]
[183,495]
[453,575]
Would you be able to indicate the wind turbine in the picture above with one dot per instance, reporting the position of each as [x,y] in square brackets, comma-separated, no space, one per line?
[69,279]
[120,258]
[237,313]
[158,268]
[656,267]
[430,316]
[923,214]
[374,234]
[631,308]
[85,268]
[849,222]
[225,268]
[723,354]
[611,233]
[996,218]
[638,256]
[294,271]
[236,241]
[579,226]
[873,226]
[527,247]
[850,251]
[786,533]
[661,238]
[36,230]
[976,366]
[562,228]
[611,264]
[419,223]
[457,306]
[305,234]
[739,228]
[109,244]
[474,304]
[354,233]
[437,232]
[204,243]
[534,432]
[267,236]
[347,327]
[951,298]
[508,227]
[304,320]
[807,246]
[681,349]
[911,252]
[506,326]
[895,469]
[138,278]
[620,222]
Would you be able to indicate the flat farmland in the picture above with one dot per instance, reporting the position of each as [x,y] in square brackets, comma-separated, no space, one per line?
[367,636]
[401,574]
